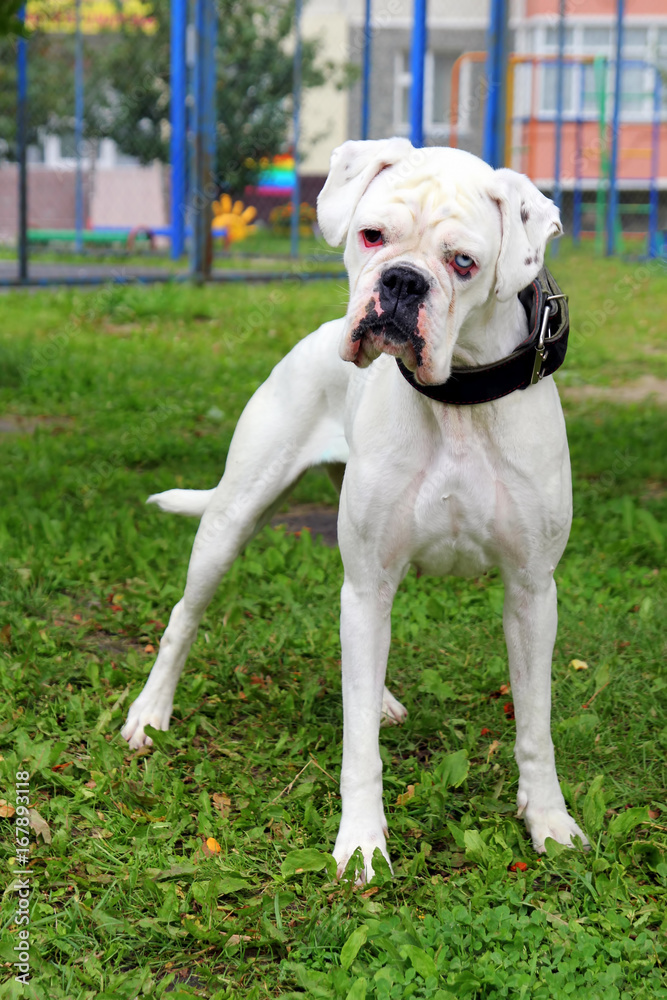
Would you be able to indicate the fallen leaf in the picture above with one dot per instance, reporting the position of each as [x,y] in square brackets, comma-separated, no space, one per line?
[222,803]
[518,866]
[406,796]
[485,732]
[237,938]
[76,618]
[91,784]
[149,648]
[61,767]
[503,689]
[508,709]
[212,846]
[654,813]
[40,826]
[492,749]
[370,892]
[6,635]
[579,664]
[260,681]
[6,809]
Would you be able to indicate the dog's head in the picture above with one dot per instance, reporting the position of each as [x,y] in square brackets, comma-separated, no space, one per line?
[434,237]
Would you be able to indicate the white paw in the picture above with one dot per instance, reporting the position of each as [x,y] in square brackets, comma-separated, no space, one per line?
[393,713]
[348,842]
[145,712]
[551,822]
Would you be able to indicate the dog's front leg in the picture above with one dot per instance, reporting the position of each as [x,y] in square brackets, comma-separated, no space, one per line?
[365,637]
[529,620]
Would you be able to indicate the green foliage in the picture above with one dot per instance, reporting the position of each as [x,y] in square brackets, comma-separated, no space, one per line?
[253,89]
[127,86]
[10,23]
[121,392]
[51,88]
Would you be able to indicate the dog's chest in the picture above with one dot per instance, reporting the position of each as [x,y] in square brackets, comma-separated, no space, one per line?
[460,509]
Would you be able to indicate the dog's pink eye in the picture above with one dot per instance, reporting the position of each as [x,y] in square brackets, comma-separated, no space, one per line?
[462,263]
[372,237]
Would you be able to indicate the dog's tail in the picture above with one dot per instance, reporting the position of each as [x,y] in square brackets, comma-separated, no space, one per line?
[192,503]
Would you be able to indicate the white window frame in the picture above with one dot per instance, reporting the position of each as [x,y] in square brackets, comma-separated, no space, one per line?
[535,41]
[403,82]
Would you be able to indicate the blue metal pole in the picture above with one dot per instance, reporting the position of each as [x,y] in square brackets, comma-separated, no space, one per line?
[204,187]
[78,130]
[178,139]
[417,57]
[612,205]
[296,129]
[21,142]
[560,73]
[576,219]
[496,71]
[366,82]
[653,249]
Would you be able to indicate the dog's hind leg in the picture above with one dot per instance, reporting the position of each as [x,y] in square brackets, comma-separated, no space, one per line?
[293,421]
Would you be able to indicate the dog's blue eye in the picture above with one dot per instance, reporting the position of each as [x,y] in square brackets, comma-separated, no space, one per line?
[463,263]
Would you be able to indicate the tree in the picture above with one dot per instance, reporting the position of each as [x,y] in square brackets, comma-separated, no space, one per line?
[253,89]
[127,86]
[10,23]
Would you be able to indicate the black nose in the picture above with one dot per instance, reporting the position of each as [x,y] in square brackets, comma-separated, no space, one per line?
[404,286]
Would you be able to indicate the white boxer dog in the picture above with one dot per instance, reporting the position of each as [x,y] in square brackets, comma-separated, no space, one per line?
[438,246]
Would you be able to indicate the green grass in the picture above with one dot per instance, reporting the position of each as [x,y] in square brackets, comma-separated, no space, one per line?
[142,388]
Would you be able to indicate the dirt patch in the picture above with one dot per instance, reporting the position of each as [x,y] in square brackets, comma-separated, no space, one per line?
[648,387]
[11,423]
[318,518]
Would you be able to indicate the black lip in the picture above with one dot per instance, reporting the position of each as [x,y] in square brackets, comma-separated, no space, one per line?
[391,328]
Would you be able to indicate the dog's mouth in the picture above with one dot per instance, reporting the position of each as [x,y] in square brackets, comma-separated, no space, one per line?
[379,333]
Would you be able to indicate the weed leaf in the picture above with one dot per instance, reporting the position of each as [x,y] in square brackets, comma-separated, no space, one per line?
[652,527]
[421,962]
[307,860]
[350,949]
[475,847]
[454,769]
[594,806]
[628,820]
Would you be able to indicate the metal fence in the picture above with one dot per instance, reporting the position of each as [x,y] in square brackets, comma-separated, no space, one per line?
[118,195]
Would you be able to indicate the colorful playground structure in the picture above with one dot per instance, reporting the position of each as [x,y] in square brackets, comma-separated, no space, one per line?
[573,154]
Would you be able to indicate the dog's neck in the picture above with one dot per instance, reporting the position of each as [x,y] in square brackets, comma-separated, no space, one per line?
[490,334]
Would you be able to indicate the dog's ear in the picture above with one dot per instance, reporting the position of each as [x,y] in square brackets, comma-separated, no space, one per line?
[353,166]
[528,221]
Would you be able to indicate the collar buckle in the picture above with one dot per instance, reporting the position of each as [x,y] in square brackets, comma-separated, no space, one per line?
[541,352]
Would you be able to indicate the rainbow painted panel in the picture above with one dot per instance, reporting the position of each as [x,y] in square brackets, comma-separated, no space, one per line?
[276,177]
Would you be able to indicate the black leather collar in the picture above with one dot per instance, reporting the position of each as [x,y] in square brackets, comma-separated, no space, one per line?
[540,354]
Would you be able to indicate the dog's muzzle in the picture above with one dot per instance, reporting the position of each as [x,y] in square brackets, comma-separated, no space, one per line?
[391,321]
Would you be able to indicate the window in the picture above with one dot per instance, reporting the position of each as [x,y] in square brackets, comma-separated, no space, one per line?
[402,81]
[441,73]
[587,86]
[437,91]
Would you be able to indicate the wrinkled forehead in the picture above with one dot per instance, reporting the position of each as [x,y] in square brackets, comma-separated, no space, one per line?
[448,189]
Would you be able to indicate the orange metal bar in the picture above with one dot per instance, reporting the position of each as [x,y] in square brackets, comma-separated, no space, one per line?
[454,99]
